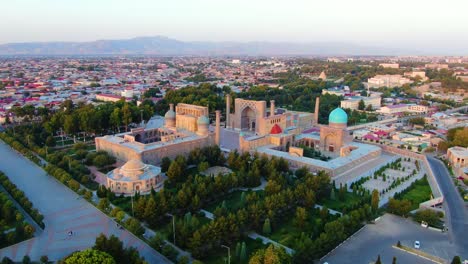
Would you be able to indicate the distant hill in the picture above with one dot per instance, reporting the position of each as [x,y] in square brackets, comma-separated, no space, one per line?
[164,46]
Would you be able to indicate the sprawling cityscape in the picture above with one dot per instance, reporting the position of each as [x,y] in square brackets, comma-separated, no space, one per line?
[155,150]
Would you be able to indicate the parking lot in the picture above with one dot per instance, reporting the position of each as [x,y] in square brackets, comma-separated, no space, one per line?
[377,239]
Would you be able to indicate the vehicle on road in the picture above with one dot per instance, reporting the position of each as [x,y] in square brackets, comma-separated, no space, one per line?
[417,245]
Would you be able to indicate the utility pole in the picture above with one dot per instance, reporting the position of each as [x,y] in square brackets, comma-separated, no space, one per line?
[173,227]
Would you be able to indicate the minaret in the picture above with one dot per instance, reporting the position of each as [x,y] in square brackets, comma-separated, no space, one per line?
[272,107]
[218,129]
[316,113]
[228,110]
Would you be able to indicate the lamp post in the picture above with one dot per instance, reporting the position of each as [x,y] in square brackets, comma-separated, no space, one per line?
[229,253]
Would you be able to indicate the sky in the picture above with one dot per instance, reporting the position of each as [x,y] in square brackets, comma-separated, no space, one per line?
[415,24]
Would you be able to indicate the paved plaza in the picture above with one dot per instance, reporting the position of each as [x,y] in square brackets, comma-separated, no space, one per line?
[375,239]
[63,211]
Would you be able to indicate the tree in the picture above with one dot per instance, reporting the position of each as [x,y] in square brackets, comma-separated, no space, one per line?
[104,205]
[369,107]
[203,166]
[134,226]
[44,259]
[126,115]
[243,252]
[175,171]
[267,227]
[165,163]
[270,255]
[361,105]
[115,119]
[301,217]
[90,256]
[378,261]
[375,200]
[26,259]
[456,260]
[394,260]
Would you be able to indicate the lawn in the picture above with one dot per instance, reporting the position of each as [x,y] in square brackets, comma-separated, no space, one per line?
[220,257]
[233,201]
[350,198]
[419,193]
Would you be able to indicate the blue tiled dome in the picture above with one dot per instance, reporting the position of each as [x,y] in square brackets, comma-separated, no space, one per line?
[170,114]
[203,120]
[338,116]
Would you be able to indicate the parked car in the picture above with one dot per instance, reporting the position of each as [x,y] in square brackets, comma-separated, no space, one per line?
[417,245]
[424,224]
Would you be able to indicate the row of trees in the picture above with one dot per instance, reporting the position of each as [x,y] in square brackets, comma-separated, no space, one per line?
[21,198]
[11,218]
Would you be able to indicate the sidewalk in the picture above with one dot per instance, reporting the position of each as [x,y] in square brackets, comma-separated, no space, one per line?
[266,240]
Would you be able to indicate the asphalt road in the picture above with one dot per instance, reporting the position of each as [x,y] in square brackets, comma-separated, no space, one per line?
[455,208]
[63,211]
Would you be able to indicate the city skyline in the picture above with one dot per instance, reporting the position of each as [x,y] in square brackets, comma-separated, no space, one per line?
[426,26]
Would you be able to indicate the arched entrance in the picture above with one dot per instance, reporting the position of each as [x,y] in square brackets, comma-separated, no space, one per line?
[138,138]
[248,119]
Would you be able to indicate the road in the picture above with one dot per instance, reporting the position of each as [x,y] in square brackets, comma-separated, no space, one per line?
[378,239]
[63,211]
[455,208]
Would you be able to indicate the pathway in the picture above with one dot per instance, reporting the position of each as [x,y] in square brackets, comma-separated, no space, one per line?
[331,211]
[208,215]
[63,211]
[266,240]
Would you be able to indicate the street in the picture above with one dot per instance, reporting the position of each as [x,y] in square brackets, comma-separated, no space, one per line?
[63,211]
[455,208]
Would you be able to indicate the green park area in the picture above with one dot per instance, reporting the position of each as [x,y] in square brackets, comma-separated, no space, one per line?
[418,192]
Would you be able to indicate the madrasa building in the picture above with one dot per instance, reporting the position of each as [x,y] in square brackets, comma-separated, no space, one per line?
[178,133]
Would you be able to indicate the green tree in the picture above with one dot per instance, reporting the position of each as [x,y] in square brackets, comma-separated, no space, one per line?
[126,115]
[104,205]
[243,252]
[301,217]
[90,256]
[44,259]
[26,260]
[165,163]
[375,200]
[115,118]
[456,260]
[267,227]
[378,261]
[394,260]
[361,105]
[134,226]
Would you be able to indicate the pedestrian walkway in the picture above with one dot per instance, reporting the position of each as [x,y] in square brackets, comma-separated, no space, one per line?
[266,240]
[63,212]
[208,214]
[331,211]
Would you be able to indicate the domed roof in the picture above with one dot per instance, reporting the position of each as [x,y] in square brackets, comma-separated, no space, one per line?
[133,165]
[170,114]
[203,120]
[338,116]
[276,129]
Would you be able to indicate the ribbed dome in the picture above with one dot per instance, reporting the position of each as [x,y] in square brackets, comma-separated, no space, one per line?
[203,120]
[338,116]
[133,165]
[170,114]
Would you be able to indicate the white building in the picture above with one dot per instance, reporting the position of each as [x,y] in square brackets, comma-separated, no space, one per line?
[388,80]
[353,102]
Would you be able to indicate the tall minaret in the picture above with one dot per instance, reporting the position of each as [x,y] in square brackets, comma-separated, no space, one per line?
[228,110]
[316,113]
[218,129]
[272,107]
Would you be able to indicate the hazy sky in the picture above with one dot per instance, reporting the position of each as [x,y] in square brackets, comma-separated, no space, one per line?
[389,23]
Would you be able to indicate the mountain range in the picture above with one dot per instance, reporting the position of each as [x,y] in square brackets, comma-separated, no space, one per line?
[163,46]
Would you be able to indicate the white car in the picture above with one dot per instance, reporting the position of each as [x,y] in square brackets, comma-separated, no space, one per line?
[417,245]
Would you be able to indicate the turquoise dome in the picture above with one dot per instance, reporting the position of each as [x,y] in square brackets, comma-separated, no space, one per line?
[338,116]
[170,114]
[203,120]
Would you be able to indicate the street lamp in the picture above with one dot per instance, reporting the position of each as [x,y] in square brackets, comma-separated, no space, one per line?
[229,253]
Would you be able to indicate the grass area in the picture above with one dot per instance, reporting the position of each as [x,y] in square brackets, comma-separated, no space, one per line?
[349,199]
[418,193]
[233,201]
[220,257]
